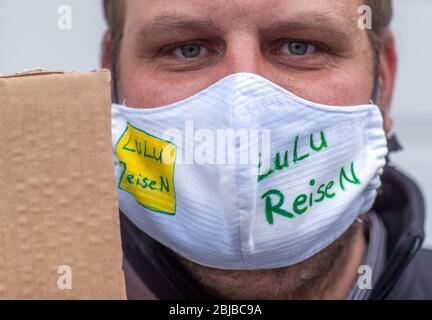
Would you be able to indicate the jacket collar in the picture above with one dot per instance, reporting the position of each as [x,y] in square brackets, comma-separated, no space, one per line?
[400,205]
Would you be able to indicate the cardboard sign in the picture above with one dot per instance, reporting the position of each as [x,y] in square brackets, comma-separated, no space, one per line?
[59,220]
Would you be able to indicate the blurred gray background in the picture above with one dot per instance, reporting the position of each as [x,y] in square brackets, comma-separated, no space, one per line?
[30,37]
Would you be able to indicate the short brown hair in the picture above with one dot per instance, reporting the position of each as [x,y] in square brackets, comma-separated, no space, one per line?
[382,12]
[115,17]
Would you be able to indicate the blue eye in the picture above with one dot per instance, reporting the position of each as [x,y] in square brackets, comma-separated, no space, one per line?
[190,51]
[298,48]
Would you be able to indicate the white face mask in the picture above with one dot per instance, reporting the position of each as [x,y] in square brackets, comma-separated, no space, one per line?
[224,206]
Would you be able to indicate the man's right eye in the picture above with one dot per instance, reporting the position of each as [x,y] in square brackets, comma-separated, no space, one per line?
[189,51]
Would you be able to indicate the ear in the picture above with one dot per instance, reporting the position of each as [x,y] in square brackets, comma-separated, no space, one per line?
[388,68]
[106,58]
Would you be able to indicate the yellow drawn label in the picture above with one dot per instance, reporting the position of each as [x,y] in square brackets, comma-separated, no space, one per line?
[147,169]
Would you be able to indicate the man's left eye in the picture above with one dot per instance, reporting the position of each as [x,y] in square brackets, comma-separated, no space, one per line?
[297,48]
[190,51]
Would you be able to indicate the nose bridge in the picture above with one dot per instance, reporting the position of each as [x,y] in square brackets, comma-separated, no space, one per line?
[243,53]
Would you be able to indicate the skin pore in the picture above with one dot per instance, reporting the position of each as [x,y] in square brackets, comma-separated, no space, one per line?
[175,48]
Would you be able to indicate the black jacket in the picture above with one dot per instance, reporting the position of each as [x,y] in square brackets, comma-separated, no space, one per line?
[407,274]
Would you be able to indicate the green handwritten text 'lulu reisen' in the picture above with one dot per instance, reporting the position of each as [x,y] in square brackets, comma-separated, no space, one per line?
[303,202]
[284,159]
[143,182]
[133,145]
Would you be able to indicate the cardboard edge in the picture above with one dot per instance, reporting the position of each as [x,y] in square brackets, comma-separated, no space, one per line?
[43,72]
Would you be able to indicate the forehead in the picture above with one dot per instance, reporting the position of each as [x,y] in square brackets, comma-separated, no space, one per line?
[242,13]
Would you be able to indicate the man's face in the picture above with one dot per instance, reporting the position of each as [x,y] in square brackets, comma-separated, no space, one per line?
[172,49]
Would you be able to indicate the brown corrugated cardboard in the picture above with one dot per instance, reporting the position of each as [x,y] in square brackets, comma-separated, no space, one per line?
[59,224]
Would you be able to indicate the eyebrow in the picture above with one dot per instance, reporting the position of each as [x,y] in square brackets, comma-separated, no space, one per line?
[174,24]
[317,22]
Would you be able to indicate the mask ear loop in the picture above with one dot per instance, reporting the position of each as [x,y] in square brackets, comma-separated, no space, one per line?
[376,88]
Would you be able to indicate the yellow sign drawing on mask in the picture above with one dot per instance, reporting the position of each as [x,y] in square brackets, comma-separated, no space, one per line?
[147,164]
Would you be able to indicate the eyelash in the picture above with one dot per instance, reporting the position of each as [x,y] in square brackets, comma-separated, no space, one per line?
[169,49]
